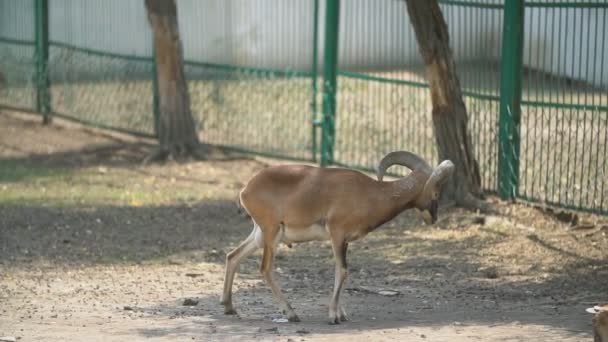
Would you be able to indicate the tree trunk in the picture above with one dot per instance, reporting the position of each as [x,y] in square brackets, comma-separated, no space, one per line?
[176,129]
[449,112]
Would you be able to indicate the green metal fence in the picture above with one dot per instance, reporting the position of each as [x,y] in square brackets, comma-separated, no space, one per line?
[338,82]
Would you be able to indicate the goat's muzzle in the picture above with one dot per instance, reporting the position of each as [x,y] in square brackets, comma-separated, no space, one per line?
[433,207]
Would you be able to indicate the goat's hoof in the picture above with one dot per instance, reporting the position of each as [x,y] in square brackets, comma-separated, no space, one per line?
[229,311]
[344,318]
[293,318]
[334,320]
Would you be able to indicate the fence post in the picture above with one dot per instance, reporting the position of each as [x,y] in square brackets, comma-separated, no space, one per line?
[510,98]
[330,66]
[41,25]
[315,55]
[155,96]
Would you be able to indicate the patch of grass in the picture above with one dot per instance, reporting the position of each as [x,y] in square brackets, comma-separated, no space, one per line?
[12,170]
[24,184]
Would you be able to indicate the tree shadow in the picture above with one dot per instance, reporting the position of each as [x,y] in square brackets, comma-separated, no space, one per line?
[118,234]
[41,151]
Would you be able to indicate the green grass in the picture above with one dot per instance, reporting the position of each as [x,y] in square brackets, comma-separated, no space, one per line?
[12,171]
[25,183]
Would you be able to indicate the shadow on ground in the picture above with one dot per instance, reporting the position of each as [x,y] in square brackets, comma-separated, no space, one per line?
[106,234]
[442,282]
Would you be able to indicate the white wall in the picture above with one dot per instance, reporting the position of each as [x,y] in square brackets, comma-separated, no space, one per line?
[119,26]
[278,33]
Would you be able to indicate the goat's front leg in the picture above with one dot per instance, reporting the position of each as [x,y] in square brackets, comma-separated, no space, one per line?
[336,311]
[266,270]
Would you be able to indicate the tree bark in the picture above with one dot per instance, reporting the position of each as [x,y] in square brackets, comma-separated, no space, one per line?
[176,130]
[450,120]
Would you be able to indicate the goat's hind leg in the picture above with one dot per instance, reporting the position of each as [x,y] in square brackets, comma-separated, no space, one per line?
[233,260]
[271,239]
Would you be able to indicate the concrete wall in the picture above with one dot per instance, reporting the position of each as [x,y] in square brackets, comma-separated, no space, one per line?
[278,33]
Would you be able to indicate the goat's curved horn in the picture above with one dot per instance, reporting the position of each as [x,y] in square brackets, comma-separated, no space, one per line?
[439,175]
[404,158]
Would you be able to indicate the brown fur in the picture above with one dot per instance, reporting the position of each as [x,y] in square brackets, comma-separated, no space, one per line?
[299,196]
[600,324]
[297,203]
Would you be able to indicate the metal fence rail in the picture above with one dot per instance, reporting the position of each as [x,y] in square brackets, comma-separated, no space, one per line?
[254,70]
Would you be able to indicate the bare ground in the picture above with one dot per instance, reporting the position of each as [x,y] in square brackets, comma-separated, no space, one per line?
[94,246]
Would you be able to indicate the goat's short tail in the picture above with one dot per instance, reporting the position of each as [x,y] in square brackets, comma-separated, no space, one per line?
[239,206]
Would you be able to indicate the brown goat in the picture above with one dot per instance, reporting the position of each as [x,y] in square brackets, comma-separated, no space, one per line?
[600,322]
[299,203]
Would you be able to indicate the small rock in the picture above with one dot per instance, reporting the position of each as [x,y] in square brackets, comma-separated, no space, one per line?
[280,320]
[194,275]
[8,339]
[302,331]
[190,302]
[127,308]
[273,329]
[423,336]
[388,293]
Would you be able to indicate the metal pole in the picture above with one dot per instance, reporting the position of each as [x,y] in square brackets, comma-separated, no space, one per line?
[315,56]
[41,24]
[330,66]
[510,99]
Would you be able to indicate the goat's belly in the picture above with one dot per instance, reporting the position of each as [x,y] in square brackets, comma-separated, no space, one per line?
[312,233]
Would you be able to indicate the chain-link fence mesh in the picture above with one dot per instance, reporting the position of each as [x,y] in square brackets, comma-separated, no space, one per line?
[267,112]
[96,77]
[565,105]
[253,89]
[17,55]
[102,89]
[252,67]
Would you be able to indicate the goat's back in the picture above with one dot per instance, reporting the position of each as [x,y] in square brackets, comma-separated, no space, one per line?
[300,195]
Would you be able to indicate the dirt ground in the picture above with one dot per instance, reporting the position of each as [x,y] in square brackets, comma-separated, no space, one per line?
[96,247]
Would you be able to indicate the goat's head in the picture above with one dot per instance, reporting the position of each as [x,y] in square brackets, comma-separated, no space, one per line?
[427,200]
[600,322]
